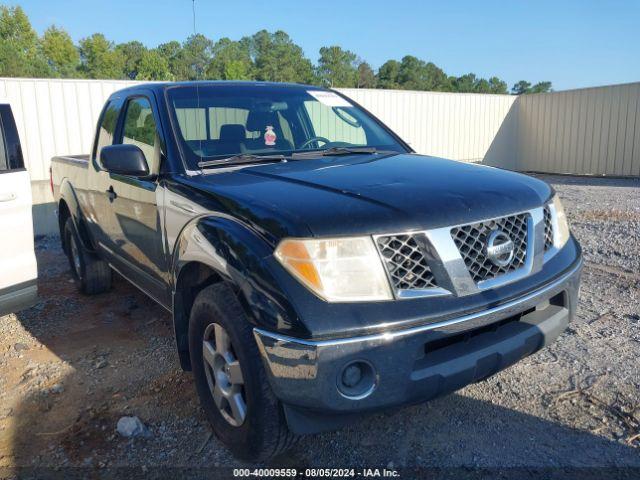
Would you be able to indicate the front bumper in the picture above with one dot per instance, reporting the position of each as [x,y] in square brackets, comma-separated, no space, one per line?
[414,364]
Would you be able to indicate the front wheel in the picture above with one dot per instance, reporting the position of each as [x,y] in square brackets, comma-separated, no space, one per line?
[230,378]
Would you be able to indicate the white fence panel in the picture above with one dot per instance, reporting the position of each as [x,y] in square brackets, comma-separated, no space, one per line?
[591,131]
[461,126]
[55,117]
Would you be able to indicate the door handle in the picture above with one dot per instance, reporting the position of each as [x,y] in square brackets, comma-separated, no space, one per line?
[112,194]
[7,197]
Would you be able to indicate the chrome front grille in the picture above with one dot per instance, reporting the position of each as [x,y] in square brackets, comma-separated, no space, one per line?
[471,241]
[405,262]
[467,259]
[548,229]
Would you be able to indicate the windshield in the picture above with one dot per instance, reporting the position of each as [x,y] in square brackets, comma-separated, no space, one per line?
[219,121]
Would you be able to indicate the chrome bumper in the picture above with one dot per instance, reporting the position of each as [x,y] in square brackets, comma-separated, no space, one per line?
[305,373]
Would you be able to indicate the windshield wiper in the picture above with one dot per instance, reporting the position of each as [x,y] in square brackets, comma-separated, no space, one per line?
[336,151]
[240,159]
[243,158]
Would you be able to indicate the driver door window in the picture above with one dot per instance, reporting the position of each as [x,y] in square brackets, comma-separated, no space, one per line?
[328,124]
[140,129]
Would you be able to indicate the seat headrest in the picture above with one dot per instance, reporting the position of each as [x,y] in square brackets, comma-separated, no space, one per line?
[233,131]
[257,121]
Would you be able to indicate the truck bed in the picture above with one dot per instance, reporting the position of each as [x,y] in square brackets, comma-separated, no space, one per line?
[72,167]
[80,160]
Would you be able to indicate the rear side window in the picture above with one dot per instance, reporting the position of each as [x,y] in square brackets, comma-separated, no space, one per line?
[107,127]
[140,129]
[4,163]
[193,122]
[10,151]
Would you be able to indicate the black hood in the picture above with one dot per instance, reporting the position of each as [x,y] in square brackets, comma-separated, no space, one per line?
[368,194]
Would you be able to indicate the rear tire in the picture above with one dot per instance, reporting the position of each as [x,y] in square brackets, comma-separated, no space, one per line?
[92,275]
[262,432]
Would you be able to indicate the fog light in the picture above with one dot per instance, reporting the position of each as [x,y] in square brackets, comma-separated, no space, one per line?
[351,375]
[357,380]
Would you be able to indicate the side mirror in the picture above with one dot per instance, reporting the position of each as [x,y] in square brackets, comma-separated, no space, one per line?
[125,159]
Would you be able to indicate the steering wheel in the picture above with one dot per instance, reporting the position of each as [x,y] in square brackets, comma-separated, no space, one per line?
[309,141]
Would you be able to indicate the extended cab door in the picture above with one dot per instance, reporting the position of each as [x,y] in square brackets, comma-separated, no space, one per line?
[18,270]
[137,233]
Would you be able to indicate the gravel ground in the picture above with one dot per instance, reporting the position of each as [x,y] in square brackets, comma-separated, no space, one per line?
[73,365]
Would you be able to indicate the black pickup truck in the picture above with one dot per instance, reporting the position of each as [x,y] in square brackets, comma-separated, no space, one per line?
[316,268]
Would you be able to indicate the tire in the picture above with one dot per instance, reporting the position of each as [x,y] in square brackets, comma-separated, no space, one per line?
[92,275]
[263,432]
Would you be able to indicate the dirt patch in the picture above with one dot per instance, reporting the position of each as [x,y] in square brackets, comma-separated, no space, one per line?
[611,216]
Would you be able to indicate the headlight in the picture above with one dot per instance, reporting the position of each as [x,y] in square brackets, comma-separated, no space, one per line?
[561,225]
[336,269]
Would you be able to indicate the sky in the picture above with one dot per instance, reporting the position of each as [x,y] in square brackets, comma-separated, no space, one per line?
[572,43]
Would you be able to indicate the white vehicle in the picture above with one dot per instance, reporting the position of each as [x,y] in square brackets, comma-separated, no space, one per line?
[18,269]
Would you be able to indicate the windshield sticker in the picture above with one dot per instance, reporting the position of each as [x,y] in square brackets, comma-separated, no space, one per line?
[270,136]
[330,99]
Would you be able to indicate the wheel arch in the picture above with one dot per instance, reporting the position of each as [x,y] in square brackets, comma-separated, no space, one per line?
[212,249]
[193,277]
[69,207]
[63,214]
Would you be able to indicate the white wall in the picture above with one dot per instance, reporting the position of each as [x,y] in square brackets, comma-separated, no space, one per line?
[461,126]
[593,131]
[55,117]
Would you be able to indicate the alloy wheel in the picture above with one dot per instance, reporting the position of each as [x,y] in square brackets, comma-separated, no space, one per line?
[224,374]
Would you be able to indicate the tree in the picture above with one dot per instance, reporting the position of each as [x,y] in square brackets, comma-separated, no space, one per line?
[521,87]
[153,66]
[497,85]
[482,86]
[337,67]
[465,83]
[132,53]
[263,56]
[469,83]
[60,52]
[437,80]
[278,59]
[541,87]
[20,55]
[388,75]
[412,73]
[172,52]
[415,74]
[194,58]
[99,59]
[231,60]
[366,77]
